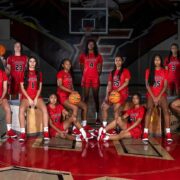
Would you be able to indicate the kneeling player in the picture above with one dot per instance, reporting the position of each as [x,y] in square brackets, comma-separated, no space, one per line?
[58,127]
[131,129]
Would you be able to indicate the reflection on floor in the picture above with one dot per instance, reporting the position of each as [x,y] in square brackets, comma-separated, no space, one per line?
[128,159]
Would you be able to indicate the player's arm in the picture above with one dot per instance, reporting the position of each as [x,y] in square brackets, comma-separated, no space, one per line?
[163,90]
[4,91]
[134,124]
[38,93]
[65,114]
[125,84]
[8,69]
[99,68]
[149,89]
[54,127]
[59,83]
[82,67]
[25,93]
[108,90]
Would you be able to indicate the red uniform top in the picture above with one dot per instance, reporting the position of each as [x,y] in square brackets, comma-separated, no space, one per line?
[32,87]
[135,114]
[118,81]
[90,63]
[55,114]
[18,64]
[3,77]
[173,68]
[160,76]
[66,81]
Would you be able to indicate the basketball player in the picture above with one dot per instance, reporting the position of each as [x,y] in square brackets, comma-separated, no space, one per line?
[131,128]
[91,67]
[60,122]
[156,84]
[118,80]
[172,64]
[4,102]
[65,88]
[31,86]
[16,65]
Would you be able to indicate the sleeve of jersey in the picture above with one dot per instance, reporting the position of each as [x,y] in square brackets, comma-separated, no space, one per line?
[100,59]
[141,113]
[5,78]
[166,74]
[110,77]
[41,78]
[128,112]
[81,59]
[166,61]
[22,78]
[147,74]
[59,75]
[9,60]
[127,74]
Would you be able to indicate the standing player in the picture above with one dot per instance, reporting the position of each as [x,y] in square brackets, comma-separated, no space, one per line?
[172,64]
[131,129]
[156,84]
[16,65]
[91,67]
[58,122]
[118,80]
[31,86]
[4,102]
[65,88]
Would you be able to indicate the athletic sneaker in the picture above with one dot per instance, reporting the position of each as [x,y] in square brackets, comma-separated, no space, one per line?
[102,137]
[88,128]
[145,137]
[100,132]
[98,121]
[169,137]
[46,136]
[22,137]
[76,132]
[111,132]
[89,135]
[11,133]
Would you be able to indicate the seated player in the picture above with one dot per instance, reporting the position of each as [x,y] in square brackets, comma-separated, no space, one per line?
[118,80]
[175,106]
[131,128]
[65,88]
[58,126]
[4,102]
[31,86]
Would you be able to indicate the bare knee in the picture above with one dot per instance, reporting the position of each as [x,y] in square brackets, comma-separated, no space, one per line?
[75,110]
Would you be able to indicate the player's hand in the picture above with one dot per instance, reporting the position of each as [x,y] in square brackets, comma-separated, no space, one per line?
[156,100]
[35,101]
[74,92]
[62,135]
[31,102]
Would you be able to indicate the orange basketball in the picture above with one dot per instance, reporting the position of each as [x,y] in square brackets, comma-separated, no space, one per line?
[74,98]
[114,97]
[2,50]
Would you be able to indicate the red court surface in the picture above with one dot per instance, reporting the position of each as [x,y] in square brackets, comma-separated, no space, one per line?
[93,160]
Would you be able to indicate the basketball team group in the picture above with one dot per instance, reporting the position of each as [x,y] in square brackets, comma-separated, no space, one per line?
[20,76]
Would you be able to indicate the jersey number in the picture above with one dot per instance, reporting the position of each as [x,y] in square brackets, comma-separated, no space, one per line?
[116,83]
[91,65]
[32,85]
[18,67]
[173,67]
[157,84]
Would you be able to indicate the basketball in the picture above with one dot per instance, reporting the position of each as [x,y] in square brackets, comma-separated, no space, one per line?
[74,98]
[2,50]
[114,97]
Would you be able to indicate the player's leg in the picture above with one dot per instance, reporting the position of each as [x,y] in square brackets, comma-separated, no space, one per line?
[83,106]
[22,110]
[171,88]
[96,100]
[164,105]
[175,106]
[104,110]
[150,106]
[41,105]
[6,107]
[177,86]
